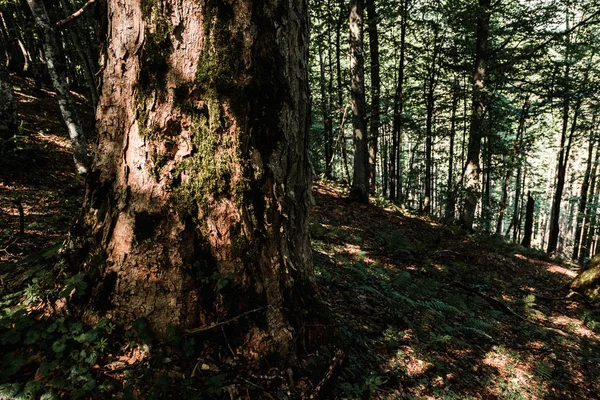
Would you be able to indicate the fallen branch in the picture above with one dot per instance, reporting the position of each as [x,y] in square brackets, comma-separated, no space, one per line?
[63,22]
[324,386]
[216,324]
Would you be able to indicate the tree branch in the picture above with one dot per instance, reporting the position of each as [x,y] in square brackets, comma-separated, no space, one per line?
[62,23]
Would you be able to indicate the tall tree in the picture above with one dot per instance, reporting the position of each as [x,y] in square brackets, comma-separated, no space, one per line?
[56,69]
[583,198]
[472,178]
[202,171]
[372,22]
[360,179]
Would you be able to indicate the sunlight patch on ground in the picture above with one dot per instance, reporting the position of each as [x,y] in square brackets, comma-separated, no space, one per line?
[555,269]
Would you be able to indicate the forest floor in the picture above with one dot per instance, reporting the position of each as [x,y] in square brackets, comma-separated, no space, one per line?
[422,310]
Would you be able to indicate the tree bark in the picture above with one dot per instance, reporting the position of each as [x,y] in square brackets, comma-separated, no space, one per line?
[360,178]
[375,92]
[56,70]
[472,178]
[196,208]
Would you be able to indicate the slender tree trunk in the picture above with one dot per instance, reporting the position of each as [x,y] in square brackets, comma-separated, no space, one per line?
[230,195]
[8,110]
[450,192]
[56,70]
[590,215]
[83,54]
[360,179]
[397,123]
[372,22]
[566,142]
[516,209]
[583,197]
[528,221]
[515,158]
[430,106]
[327,122]
[472,178]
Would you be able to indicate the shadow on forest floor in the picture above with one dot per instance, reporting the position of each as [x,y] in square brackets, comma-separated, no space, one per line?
[427,311]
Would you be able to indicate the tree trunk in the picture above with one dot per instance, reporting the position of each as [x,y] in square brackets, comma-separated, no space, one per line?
[8,110]
[528,221]
[327,122]
[591,211]
[472,179]
[56,69]
[375,92]
[360,179]
[561,172]
[397,122]
[584,196]
[83,54]
[196,208]
[430,106]
[450,192]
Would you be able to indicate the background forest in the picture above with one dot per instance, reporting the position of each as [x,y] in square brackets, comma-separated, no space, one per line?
[455,148]
[538,134]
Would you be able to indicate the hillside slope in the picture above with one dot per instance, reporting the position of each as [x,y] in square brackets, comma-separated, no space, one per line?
[429,311]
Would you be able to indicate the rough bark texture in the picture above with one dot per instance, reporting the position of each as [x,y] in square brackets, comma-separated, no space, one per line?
[360,179]
[8,110]
[472,180]
[56,70]
[196,208]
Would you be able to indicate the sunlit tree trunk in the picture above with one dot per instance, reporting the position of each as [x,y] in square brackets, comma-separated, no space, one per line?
[583,197]
[472,178]
[196,208]
[56,69]
[590,211]
[360,179]
[327,122]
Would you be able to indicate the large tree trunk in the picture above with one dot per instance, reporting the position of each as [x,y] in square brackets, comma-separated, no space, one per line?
[360,178]
[472,179]
[8,110]
[196,208]
[375,92]
[56,69]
